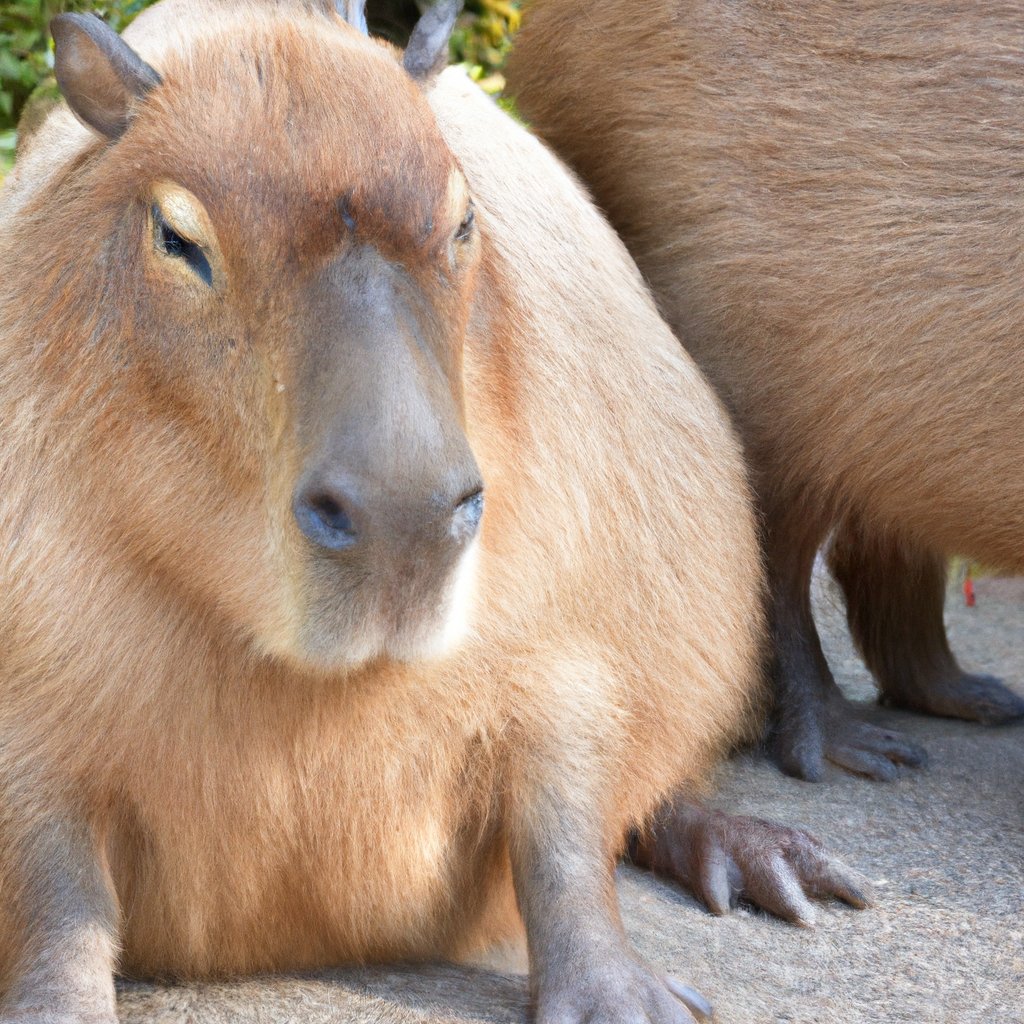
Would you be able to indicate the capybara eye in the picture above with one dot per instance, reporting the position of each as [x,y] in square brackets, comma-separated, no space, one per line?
[465,231]
[170,242]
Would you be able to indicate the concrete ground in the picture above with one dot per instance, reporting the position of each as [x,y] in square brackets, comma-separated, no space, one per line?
[944,847]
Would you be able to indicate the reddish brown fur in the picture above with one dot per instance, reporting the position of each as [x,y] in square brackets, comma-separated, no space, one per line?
[251,811]
[824,197]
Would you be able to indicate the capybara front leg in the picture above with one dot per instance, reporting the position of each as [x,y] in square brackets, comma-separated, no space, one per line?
[58,922]
[725,858]
[813,721]
[895,594]
[582,970]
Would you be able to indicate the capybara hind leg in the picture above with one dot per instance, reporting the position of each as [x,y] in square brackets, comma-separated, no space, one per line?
[895,593]
[57,922]
[725,858]
[813,721]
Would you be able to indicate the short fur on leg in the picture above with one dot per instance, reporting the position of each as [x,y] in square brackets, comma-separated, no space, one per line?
[895,592]
[582,970]
[813,720]
[62,910]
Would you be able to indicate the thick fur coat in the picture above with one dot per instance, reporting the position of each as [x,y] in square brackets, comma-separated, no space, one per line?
[825,200]
[250,810]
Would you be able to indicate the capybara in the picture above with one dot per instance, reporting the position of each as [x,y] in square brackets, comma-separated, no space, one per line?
[824,198]
[357,602]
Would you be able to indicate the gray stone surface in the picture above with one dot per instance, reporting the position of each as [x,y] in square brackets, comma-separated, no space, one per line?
[944,847]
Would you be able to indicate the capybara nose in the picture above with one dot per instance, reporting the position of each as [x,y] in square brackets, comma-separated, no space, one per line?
[468,512]
[324,512]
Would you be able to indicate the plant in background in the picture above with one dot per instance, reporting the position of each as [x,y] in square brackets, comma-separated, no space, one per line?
[24,55]
[481,38]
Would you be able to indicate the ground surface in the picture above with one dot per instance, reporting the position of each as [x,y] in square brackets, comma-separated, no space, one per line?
[944,847]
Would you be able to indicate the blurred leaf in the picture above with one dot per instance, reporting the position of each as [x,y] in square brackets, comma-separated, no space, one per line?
[26,56]
[8,144]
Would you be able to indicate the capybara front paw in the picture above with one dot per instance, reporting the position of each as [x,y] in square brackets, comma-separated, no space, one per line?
[624,993]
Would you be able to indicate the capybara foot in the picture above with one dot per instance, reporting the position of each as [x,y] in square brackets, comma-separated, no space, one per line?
[723,859]
[976,698]
[622,992]
[803,744]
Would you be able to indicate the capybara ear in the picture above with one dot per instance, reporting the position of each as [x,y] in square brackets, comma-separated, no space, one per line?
[100,75]
[427,52]
[354,12]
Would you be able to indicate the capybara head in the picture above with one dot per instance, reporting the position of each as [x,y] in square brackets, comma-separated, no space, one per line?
[276,250]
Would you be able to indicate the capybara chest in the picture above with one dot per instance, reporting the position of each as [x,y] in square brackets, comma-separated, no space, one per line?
[306,850]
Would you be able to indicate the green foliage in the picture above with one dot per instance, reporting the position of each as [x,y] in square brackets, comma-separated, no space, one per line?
[8,140]
[483,37]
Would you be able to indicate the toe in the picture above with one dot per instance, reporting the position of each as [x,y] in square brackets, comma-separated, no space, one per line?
[713,883]
[824,877]
[774,886]
[863,762]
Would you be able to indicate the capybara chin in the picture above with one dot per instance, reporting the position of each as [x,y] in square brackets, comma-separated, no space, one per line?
[824,198]
[312,366]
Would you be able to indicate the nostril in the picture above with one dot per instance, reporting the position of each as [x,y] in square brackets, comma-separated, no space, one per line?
[468,513]
[322,517]
[331,513]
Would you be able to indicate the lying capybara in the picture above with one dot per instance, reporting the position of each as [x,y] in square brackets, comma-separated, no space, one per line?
[356,601]
[823,197]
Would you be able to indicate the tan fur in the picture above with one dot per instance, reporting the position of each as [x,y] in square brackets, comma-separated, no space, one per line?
[251,813]
[824,197]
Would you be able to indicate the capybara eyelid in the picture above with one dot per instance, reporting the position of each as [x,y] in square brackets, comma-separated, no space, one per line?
[465,231]
[168,241]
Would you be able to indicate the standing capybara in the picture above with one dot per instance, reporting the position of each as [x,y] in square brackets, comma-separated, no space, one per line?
[356,600]
[824,197]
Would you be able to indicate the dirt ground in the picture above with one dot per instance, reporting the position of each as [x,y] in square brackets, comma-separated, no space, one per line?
[944,847]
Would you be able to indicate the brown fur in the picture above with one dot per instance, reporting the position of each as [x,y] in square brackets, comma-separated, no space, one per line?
[179,782]
[824,197]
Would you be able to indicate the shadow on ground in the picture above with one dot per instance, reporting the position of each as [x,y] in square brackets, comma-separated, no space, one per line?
[944,847]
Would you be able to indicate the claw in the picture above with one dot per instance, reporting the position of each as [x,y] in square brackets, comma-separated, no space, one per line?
[695,1002]
[803,743]
[904,752]
[892,745]
[715,886]
[848,886]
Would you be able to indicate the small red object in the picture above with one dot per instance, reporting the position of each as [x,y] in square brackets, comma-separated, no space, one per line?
[969,592]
